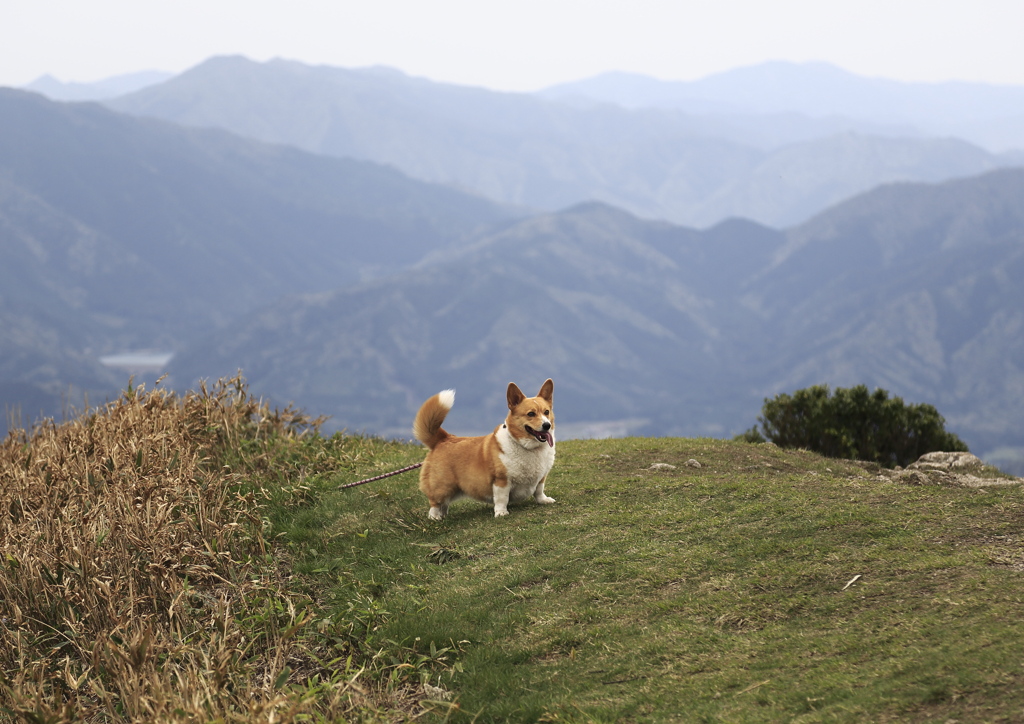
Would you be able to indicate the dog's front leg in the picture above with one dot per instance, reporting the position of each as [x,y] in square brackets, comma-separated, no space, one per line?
[501,493]
[538,494]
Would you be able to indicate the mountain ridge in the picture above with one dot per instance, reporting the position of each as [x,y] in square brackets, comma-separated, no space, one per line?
[124,233]
[121,230]
[527,150]
[97,90]
[648,322]
[971,110]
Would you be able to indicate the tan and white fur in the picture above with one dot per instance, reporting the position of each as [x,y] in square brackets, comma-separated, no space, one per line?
[507,466]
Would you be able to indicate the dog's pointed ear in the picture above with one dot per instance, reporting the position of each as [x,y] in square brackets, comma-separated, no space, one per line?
[515,395]
[546,390]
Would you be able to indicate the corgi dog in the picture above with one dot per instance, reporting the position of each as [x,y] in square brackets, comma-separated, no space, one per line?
[509,465]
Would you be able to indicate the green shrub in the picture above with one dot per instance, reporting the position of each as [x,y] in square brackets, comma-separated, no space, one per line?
[753,435]
[856,424]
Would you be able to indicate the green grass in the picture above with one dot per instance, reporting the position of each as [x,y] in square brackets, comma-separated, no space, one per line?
[194,560]
[718,593]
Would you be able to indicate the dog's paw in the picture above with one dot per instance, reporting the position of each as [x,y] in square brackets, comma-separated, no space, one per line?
[544,500]
[436,514]
[498,513]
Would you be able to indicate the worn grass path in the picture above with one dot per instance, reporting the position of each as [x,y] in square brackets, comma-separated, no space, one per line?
[763,586]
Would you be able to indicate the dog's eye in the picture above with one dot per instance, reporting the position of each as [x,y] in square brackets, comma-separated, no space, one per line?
[531,413]
[547,412]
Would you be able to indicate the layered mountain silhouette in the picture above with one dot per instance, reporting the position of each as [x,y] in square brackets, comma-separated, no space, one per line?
[533,151]
[989,115]
[98,90]
[917,283]
[348,287]
[659,329]
[126,233]
[610,306]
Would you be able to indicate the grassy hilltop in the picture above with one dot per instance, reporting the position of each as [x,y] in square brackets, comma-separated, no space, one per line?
[192,560]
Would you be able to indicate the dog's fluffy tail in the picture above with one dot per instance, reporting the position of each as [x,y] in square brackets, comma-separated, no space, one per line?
[427,427]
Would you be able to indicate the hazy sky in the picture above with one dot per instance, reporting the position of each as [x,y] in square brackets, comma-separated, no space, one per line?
[520,44]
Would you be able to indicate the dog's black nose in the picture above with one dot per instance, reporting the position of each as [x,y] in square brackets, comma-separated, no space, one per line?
[546,426]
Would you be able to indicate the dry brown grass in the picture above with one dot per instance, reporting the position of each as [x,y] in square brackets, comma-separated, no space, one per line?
[136,582]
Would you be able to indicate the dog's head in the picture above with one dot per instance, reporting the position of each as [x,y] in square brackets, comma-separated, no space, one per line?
[531,420]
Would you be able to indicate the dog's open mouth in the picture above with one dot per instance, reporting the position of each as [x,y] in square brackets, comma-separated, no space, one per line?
[548,437]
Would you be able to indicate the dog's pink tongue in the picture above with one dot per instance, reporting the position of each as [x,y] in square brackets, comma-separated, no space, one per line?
[551,439]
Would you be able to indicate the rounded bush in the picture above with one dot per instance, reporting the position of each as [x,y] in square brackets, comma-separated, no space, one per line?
[856,424]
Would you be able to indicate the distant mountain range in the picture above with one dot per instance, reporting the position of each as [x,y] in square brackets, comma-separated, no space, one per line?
[99,90]
[124,233]
[352,289]
[607,304]
[656,329]
[536,152]
[990,116]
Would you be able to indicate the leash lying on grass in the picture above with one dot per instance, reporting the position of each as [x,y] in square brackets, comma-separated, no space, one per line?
[381,477]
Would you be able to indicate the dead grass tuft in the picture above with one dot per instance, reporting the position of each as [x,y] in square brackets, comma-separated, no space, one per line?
[136,582]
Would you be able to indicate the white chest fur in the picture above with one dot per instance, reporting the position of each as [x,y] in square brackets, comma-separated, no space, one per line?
[526,463]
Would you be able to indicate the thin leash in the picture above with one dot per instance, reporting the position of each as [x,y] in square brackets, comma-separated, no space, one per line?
[381,477]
